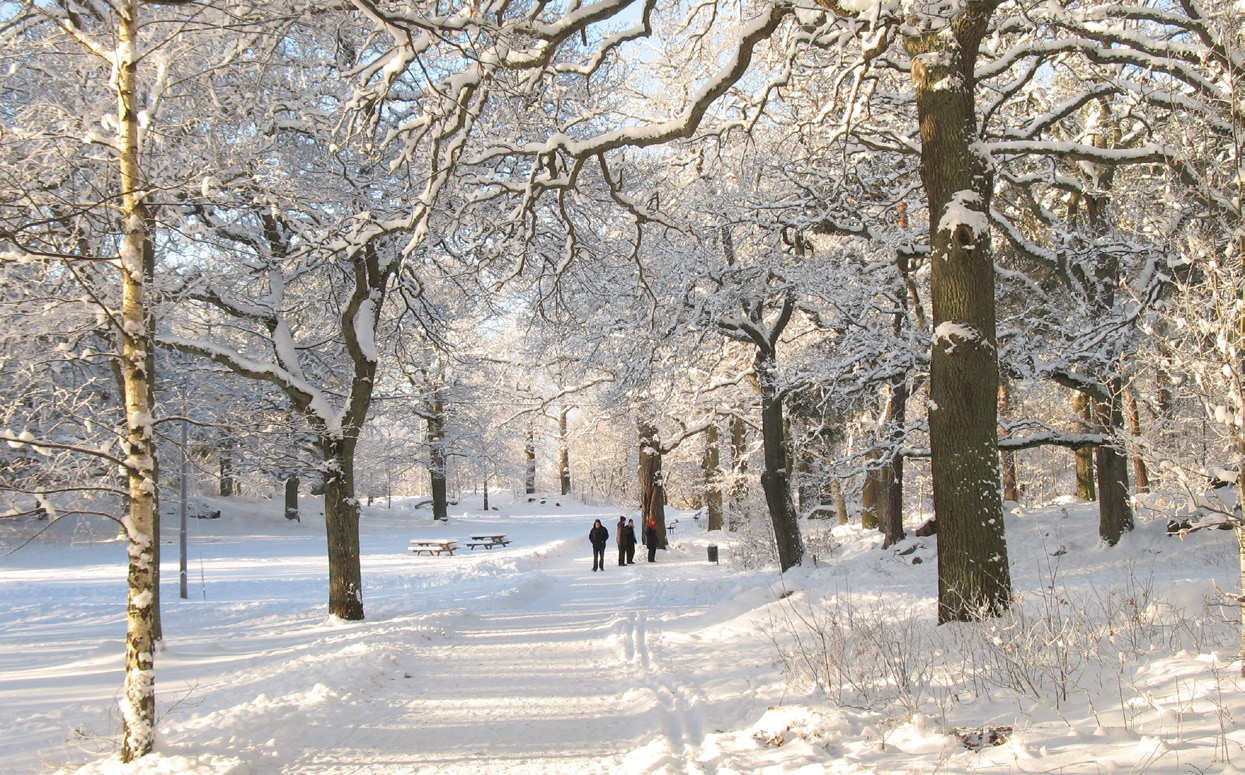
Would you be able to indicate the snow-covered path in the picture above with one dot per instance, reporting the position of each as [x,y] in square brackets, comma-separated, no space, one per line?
[516,660]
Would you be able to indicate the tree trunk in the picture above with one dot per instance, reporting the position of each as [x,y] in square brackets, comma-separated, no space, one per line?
[1140,474]
[1086,489]
[149,281]
[710,466]
[341,519]
[974,578]
[1007,458]
[138,697]
[652,487]
[774,479]
[529,451]
[1115,516]
[226,468]
[564,454]
[739,470]
[486,493]
[435,434]
[840,504]
[871,493]
[892,502]
[291,498]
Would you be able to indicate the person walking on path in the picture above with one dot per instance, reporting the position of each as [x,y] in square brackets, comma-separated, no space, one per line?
[631,542]
[599,536]
[622,540]
[650,538]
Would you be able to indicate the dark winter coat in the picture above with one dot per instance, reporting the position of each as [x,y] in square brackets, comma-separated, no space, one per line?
[626,537]
[650,534]
[598,535]
[620,528]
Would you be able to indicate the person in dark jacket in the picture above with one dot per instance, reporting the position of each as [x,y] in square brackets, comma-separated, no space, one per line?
[599,536]
[650,538]
[622,540]
[631,542]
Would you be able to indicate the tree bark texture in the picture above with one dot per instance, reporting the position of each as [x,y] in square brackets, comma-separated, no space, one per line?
[739,469]
[341,518]
[291,499]
[710,465]
[974,579]
[892,501]
[1115,514]
[774,478]
[138,697]
[564,453]
[1086,489]
[1141,475]
[652,487]
[434,434]
[529,453]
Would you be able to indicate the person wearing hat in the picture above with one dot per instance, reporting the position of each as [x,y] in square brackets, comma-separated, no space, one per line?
[650,538]
[599,536]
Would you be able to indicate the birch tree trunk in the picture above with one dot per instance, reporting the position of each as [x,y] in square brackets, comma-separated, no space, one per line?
[138,698]
[974,578]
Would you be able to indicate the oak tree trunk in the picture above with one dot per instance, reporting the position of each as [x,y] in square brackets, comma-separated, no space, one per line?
[652,486]
[974,578]
[1086,489]
[710,466]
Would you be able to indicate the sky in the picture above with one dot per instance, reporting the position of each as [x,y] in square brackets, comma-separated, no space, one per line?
[521,660]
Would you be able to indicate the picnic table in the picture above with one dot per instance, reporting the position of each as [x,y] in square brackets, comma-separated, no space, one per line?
[488,540]
[434,546]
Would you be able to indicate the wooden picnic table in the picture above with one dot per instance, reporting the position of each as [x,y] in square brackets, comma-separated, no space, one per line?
[434,546]
[488,540]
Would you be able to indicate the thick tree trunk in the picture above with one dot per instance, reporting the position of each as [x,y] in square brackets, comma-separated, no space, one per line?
[564,453]
[774,479]
[652,486]
[341,519]
[1115,515]
[1086,489]
[138,697]
[974,578]
[291,498]
[840,503]
[710,466]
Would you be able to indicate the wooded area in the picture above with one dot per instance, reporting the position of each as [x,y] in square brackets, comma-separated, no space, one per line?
[760,252]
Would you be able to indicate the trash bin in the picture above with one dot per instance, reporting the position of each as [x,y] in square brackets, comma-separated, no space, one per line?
[713,553]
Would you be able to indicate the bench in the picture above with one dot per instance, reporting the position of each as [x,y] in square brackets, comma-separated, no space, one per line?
[488,541]
[434,546]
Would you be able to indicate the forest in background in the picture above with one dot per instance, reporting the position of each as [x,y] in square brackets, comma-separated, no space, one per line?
[765,258]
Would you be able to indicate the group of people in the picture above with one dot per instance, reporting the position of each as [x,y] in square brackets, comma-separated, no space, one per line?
[626,540]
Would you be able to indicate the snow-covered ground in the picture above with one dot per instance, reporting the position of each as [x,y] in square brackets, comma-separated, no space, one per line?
[521,660]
